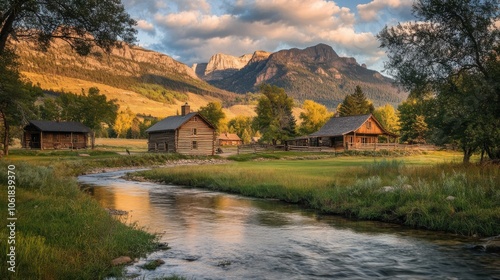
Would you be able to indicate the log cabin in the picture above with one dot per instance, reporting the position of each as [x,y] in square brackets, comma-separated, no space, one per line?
[189,134]
[350,132]
[229,139]
[55,135]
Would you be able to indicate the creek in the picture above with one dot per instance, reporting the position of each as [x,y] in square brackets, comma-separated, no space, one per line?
[222,236]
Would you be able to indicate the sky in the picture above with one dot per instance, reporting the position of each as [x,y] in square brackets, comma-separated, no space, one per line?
[191,31]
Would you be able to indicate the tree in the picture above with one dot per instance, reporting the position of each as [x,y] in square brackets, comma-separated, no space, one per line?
[387,117]
[274,114]
[355,104]
[213,113]
[414,128]
[123,123]
[451,50]
[83,24]
[314,117]
[241,125]
[16,97]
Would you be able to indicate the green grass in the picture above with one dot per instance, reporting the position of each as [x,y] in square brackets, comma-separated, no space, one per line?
[62,233]
[352,186]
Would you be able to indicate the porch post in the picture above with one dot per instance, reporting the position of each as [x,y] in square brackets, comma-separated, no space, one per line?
[71,139]
[41,140]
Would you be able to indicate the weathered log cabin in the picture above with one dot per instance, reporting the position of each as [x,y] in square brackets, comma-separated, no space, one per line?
[346,133]
[55,135]
[188,134]
[229,139]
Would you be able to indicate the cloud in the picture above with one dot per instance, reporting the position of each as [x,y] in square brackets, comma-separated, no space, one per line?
[194,30]
[146,27]
[372,11]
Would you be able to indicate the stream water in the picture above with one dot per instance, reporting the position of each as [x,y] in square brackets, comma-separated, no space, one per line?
[220,236]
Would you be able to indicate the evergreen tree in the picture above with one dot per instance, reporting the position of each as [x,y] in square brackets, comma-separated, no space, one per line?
[274,114]
[355,104]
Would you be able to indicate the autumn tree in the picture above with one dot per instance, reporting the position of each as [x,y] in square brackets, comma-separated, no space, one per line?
[123,122]
[388,117]
[355,104]
[242,126]
[451,50]
[315,115]
[213,113]
[274,114]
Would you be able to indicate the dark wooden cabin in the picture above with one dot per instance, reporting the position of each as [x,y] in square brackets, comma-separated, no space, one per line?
[55,135]
[346,133]
[188,134]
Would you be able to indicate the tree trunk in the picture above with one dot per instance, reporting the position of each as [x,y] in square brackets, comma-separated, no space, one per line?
[6,134]
[6,30]
[467,154]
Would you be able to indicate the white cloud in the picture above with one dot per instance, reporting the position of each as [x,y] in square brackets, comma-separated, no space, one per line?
[371,11]
[193,30]
[146,26]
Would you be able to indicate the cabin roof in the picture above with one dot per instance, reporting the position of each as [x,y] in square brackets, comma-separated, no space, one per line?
[174,122]
[51,126]
[229,137]
[338,126]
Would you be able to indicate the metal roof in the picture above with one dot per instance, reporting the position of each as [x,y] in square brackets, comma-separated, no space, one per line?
[174,122]
[338,126]
[51,126]
[229,137]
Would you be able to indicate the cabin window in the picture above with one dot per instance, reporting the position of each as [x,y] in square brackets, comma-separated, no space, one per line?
[195,145]
[369,125]
[195,119]
[68,135]
[195,131]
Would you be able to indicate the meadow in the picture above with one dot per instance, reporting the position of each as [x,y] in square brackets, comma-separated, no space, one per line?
[431,190]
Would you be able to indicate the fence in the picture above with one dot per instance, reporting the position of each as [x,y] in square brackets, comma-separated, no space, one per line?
[246,149]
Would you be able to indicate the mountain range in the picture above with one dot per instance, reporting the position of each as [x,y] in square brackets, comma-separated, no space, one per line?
[316,73]
[151,83]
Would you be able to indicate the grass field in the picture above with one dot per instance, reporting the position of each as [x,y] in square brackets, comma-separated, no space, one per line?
[432,190]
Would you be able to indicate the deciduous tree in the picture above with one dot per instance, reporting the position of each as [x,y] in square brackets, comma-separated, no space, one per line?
[315,115]
[213,113]
[82,24]
[452,50]
[274,114]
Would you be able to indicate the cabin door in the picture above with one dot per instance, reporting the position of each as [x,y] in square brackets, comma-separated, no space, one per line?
[35,141]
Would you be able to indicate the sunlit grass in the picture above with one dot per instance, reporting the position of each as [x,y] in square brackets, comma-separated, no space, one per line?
[426,191]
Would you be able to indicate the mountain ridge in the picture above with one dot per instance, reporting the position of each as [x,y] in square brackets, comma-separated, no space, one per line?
[316,73]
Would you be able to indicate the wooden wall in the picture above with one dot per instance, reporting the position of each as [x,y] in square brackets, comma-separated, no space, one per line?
[162,142]
[204,138]
[55,140]
[181,140]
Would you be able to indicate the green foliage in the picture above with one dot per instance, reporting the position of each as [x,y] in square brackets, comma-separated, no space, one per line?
[160,93]
[242,126]
[274,115]
[106,21]
[314,117]
[414,128]
[213,113]
[451,51]
[64,233]
[355,104]
[16,97]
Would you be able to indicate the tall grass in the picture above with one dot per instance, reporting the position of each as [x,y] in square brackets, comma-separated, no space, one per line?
[61,233]
[450,197]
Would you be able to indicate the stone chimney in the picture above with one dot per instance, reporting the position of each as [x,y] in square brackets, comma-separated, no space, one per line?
[185,109]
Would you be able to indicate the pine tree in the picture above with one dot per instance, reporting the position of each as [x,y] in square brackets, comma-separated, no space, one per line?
[355,104]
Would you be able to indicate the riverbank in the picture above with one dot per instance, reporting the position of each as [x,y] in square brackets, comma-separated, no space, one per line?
[417,191]
[60,232]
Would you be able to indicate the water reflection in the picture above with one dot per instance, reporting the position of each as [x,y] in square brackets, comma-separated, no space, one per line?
[220,236]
